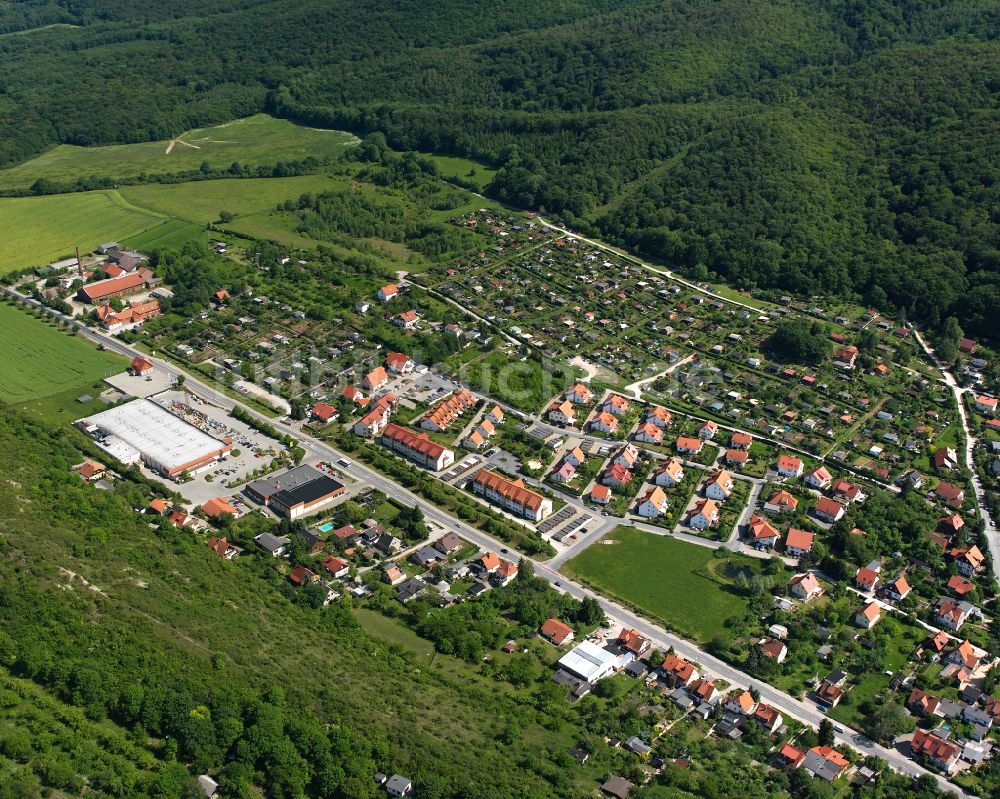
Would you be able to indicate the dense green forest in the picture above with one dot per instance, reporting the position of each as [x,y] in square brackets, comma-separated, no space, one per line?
[842,146]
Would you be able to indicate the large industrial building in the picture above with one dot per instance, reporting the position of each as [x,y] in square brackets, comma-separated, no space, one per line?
[142,431]
[296,492]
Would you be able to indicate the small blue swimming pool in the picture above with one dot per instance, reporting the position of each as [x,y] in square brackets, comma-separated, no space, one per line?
[324,528]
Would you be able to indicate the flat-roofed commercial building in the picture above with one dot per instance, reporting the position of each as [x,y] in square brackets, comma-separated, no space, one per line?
[143,431]
[297,492]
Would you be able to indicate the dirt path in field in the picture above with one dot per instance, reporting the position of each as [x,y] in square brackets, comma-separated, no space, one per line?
[172,142]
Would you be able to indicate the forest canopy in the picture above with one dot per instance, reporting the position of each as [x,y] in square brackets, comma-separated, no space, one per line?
[842,147]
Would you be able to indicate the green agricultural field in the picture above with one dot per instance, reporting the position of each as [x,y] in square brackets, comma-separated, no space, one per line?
[38,230]
[682,584]
[255,140]
[41,360]
[174,233]
[251,200]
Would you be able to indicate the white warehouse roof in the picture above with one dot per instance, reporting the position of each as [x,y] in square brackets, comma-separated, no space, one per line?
[589,662]
[166,442]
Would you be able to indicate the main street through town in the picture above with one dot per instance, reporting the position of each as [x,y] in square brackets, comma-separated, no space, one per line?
[802,711]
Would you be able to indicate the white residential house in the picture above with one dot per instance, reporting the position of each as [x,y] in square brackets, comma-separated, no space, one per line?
[653,503]
[669,474]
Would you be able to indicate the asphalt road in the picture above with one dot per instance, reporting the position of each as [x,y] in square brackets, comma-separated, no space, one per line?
[802,711]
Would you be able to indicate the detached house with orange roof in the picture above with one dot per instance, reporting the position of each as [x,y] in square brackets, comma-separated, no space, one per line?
[616,405]
[678,672]
[627,456]
[951,613]
[388,292]
[354,396]
[556,632]
[562,413]
[653,503]
[950,494]
[708,430]
[323,412]
[968,561]
[575,456]
[780,502]
[798,542]
[789,466]
[827,510]
[768,718]
[773,648]
[579,394]
[819,478]
[740,441]
[496,415]
[965,655]
[649,434]
[866,579]
[487,563]
[719,486]
[742,704]
[140,366]
[406,320]
[604,422]
[737,457]
[868,616]
[986,404]
[504,574]
[659,416]
[689,446]
[705,514]
[761,534]
[217,507]
[399,363]
[375,379]
[669,474]
[897,590]
[805,587]
[601,494]
[632,641]
[940,753]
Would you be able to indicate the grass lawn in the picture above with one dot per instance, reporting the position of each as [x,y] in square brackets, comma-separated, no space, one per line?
[679,583]
[255,140]
[41,360]
[38,230]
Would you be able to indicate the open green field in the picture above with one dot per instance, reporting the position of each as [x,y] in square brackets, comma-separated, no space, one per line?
[682,584]
[255,140]
[40,360]
[38,230]
[453,167]
[251,200]
[173,233]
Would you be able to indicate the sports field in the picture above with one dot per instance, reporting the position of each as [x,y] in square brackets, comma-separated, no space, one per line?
[38,230]
[40,360]
[255,140]
[682,584]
